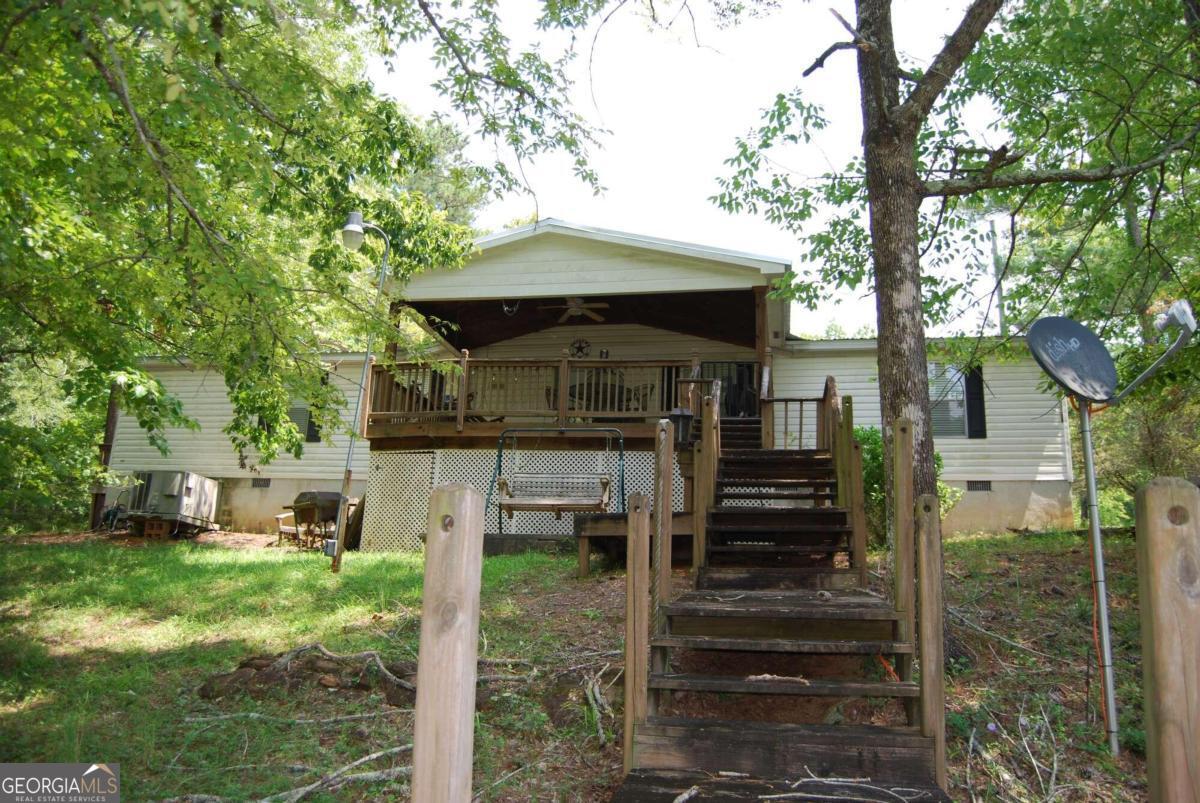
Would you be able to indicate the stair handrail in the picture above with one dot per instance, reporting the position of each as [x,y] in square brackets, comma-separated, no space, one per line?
[930,630]
[766,408]
[903,546]
[707,455]
[637,620]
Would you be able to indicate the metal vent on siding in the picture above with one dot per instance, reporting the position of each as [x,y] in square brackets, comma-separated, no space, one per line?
[979,485]
[260,482]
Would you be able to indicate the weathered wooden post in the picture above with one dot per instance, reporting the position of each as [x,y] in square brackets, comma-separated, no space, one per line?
[445,717]
[858,514]
[902,547]
[930,636]
[1168,559]
[637,620]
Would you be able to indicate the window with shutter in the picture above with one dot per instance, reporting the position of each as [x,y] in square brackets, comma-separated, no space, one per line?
[947,401]
[956,401]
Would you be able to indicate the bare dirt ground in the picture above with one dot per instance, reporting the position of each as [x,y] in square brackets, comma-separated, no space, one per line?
[123,538]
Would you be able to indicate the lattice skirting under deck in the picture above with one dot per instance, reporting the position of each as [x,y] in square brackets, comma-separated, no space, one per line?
[399,483]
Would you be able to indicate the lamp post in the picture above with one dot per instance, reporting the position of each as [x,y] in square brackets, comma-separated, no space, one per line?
[353,235]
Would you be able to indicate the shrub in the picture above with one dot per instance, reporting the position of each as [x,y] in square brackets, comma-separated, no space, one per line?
[871,440]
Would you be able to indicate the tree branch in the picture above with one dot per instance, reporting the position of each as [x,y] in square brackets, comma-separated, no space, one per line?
[829,51]
[916,108]
[1029,178]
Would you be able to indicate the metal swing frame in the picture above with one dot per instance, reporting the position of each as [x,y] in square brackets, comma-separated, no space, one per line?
[512,432]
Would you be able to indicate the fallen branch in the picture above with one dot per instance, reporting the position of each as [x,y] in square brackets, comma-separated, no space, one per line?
[328,783]
[284,662]
[980,629]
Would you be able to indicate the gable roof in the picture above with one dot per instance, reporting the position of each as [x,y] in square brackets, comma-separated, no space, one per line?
[764,264]
[555,259]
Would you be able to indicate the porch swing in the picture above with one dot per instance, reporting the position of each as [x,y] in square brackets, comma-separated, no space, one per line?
[540,492]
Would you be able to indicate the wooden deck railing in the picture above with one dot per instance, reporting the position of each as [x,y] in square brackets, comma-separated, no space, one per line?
[706,455]
[917,577]
[557,392]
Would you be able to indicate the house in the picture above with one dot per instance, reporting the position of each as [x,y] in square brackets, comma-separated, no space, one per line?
[249,496]
[560,327]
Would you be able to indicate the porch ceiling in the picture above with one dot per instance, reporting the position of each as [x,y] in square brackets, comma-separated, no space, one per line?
[723,315]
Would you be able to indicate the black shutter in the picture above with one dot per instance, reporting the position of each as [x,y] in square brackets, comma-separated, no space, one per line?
[976,415]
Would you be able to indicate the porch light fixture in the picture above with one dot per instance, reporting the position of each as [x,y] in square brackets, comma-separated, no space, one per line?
[353,234]
[681,418]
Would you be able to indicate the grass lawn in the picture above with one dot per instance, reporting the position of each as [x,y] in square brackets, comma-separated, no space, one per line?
[103,649]
[131,654]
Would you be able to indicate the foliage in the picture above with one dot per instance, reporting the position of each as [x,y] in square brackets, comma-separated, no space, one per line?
[1150,435]
[1098,86]
[174,176]
[50,448]
[874,484]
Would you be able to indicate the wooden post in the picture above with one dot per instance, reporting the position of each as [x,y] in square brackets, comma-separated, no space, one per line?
[564,376]
[1168,560]
[766,409]
[463,389]
[706,465]
[368,399]
[902,529]
[445,712]
[858,514]
[637,624]
[664,491]
[930,636]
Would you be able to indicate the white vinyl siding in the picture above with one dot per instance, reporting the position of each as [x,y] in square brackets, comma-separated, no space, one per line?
[209,452]
[557,265]
[1027,438]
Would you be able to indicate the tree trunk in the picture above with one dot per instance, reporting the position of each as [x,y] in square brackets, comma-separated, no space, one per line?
[894,199]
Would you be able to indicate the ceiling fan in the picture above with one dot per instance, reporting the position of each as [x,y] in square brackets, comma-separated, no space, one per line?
[576,307]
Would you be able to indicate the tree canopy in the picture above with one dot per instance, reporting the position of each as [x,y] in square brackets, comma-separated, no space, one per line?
[174,176]
[1096,119]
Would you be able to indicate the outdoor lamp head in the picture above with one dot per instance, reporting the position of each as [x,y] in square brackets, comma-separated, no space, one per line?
[352,232]
[1179,314]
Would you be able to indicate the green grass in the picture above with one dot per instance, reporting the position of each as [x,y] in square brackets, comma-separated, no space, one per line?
[1007,705]
[102,649]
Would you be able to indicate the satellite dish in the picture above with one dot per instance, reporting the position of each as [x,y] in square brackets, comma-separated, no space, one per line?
[1074,358]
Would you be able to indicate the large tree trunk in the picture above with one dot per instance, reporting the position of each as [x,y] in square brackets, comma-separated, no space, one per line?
[894,198]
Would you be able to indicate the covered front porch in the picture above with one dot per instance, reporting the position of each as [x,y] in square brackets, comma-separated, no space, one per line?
[624,361]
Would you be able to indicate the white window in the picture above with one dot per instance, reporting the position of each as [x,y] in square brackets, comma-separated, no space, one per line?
[947,400]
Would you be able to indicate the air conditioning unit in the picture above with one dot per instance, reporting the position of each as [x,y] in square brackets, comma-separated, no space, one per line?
[172,502]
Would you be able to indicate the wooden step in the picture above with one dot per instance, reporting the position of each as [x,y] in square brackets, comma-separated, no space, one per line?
[780,527]
[669,785]
[777,549]
[815,496]
[762,577]
[801,687]
[741,480]
[775,750]
[798,604]
[783,645]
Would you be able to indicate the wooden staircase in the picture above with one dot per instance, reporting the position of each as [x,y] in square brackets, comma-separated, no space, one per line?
[777,673]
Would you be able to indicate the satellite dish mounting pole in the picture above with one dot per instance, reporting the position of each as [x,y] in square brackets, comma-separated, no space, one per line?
[1099,585]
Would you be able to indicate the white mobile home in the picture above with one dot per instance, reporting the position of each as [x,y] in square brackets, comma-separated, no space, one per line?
[562,328]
